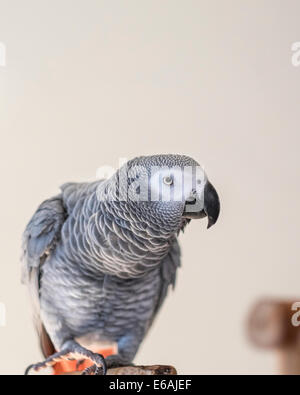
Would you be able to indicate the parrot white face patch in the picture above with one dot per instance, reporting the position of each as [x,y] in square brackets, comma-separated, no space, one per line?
[170,184]
[176,183]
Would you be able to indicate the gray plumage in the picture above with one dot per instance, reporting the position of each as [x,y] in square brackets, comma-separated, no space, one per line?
[99,267]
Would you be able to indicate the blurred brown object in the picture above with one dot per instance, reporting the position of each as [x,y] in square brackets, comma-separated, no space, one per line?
[272,324]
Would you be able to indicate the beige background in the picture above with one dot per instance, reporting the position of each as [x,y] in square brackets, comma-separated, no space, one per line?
[87,82]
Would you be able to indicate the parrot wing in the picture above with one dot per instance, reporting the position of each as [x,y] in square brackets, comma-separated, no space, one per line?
[169,266]
[39,239]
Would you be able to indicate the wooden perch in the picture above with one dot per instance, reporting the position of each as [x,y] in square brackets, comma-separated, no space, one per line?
[144,370]
[270,326]
[163,370]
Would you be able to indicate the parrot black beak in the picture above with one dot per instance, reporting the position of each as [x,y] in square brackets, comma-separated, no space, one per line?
[211,206]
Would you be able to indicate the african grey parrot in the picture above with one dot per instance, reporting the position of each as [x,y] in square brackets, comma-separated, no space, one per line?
[98,258]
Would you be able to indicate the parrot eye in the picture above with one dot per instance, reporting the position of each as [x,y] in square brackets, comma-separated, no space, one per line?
[168,180]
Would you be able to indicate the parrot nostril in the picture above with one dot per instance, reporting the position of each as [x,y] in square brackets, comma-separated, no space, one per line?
[191,200]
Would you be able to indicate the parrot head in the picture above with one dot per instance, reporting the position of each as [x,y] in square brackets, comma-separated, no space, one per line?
[165,192]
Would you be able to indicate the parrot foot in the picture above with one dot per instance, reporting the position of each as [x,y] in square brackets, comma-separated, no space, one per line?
[73,351]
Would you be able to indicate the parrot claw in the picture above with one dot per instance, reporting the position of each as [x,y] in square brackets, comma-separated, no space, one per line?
[93,371]
[73,352]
